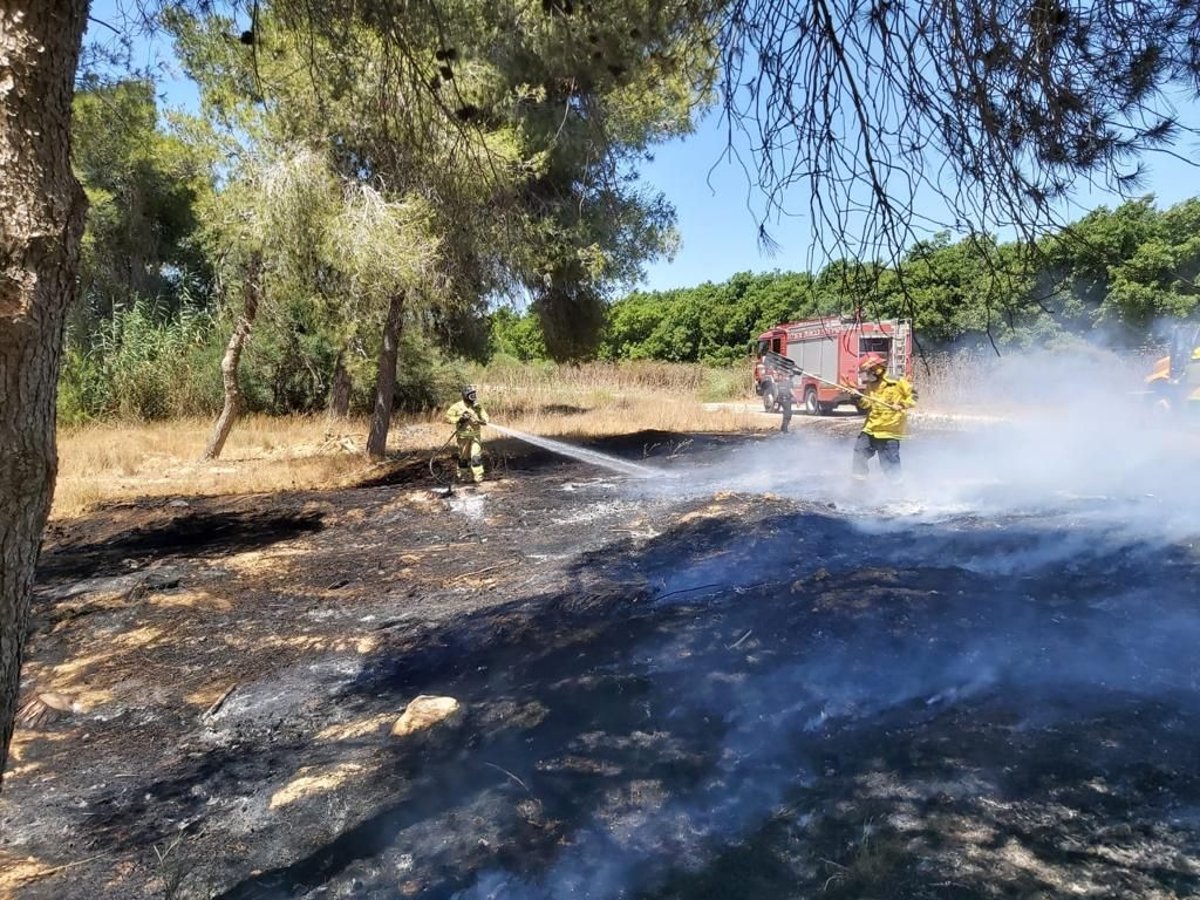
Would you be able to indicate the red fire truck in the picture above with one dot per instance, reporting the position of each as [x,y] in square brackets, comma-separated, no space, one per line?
[826,350]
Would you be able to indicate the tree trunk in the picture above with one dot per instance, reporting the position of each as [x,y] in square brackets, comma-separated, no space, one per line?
[251,292]
[385,380]
[41,225]
[339,393]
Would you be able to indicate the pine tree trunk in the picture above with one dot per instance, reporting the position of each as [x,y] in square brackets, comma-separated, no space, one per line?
[339,392]
[41,224]
[252,290]
[385,380]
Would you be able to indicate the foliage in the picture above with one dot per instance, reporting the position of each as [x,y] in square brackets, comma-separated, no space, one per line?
[425,379]
[516,336]
[488,149]
[149,364]
[1112,276]
[143,185]
[709,323]
[143,365]
[522,140]
[978,114]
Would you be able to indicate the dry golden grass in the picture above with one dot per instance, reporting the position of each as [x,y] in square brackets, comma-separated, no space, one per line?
[108,462]
[637,375]
[100,463]
[598,415]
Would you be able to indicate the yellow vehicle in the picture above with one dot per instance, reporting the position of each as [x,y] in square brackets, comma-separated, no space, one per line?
[1174,382]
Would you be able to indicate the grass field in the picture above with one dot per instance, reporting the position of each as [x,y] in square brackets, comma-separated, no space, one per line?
[115,461]
[122,460]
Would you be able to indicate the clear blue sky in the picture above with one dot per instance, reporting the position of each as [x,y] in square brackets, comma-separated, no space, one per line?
[719,232]
[710,192]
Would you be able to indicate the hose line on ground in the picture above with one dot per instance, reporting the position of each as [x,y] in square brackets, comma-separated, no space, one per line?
[449,481]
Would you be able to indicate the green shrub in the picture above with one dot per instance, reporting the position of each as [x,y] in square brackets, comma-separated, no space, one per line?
[730,383]
[141,365]
[425,379]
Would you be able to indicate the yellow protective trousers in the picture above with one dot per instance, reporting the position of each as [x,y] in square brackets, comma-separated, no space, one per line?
[470,455]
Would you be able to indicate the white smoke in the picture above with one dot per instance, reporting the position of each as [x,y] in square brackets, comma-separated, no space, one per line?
[1076,480]
[1066,434]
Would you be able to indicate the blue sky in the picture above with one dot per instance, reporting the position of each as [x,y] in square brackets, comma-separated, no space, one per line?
[719,232]
[710,192]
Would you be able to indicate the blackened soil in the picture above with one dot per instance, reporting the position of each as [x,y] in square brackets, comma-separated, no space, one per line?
[726,696]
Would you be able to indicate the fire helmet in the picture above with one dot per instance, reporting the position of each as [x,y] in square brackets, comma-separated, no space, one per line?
[468,393]
[872,361]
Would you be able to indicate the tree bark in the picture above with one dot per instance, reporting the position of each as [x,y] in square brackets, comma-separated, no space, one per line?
[385,380]
[339,392]
[251,293]
[41,225]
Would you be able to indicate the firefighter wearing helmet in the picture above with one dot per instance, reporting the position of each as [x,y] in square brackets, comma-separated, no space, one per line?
[886,401]
[468,419]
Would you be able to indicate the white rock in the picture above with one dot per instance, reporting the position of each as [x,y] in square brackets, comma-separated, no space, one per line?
[424,712]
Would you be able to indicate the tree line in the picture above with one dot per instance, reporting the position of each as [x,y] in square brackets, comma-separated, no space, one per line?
[300,244]
[1115,276]
[163,291]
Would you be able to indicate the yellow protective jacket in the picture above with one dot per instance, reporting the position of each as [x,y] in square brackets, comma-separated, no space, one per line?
[883,422]
[470,429]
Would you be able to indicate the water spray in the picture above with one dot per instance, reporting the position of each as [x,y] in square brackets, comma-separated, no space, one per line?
[594,457]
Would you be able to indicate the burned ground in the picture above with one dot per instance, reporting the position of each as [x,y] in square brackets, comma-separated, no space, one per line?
[668,693]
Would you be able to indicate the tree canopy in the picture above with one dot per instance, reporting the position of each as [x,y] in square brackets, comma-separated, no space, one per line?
[1113,276]
[143,184]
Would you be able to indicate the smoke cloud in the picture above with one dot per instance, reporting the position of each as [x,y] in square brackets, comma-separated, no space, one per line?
[1061,484]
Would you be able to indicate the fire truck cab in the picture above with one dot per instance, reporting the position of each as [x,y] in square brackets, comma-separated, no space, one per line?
[822,352]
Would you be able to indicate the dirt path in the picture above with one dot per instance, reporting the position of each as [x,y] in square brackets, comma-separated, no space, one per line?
[666,693]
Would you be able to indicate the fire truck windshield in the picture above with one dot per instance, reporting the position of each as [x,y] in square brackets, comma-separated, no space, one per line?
[881,345]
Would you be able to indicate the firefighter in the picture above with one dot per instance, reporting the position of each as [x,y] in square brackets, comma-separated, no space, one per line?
[886,402]
[785,398]
[467,417]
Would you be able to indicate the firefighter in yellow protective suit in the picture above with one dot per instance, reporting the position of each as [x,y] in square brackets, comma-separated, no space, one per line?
[468,417]
[886,401]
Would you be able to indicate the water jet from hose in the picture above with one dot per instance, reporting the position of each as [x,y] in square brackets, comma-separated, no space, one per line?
[593,457]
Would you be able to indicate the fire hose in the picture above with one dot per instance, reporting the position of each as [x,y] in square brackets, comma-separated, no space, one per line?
[792,369]
[433,471]
[844,387]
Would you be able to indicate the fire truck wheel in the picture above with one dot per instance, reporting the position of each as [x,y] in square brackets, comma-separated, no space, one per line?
[768,396]
[811,406]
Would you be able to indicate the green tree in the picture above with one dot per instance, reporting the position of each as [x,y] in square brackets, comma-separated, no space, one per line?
[142,186]
[516,335]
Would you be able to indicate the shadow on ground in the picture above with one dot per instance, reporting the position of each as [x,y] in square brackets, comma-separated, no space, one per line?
[190,534]
[716,713]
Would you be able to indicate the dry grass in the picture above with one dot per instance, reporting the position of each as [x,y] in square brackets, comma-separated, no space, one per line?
[639,375]
[597,413]
[104,463]
[981,381]
[100,463]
